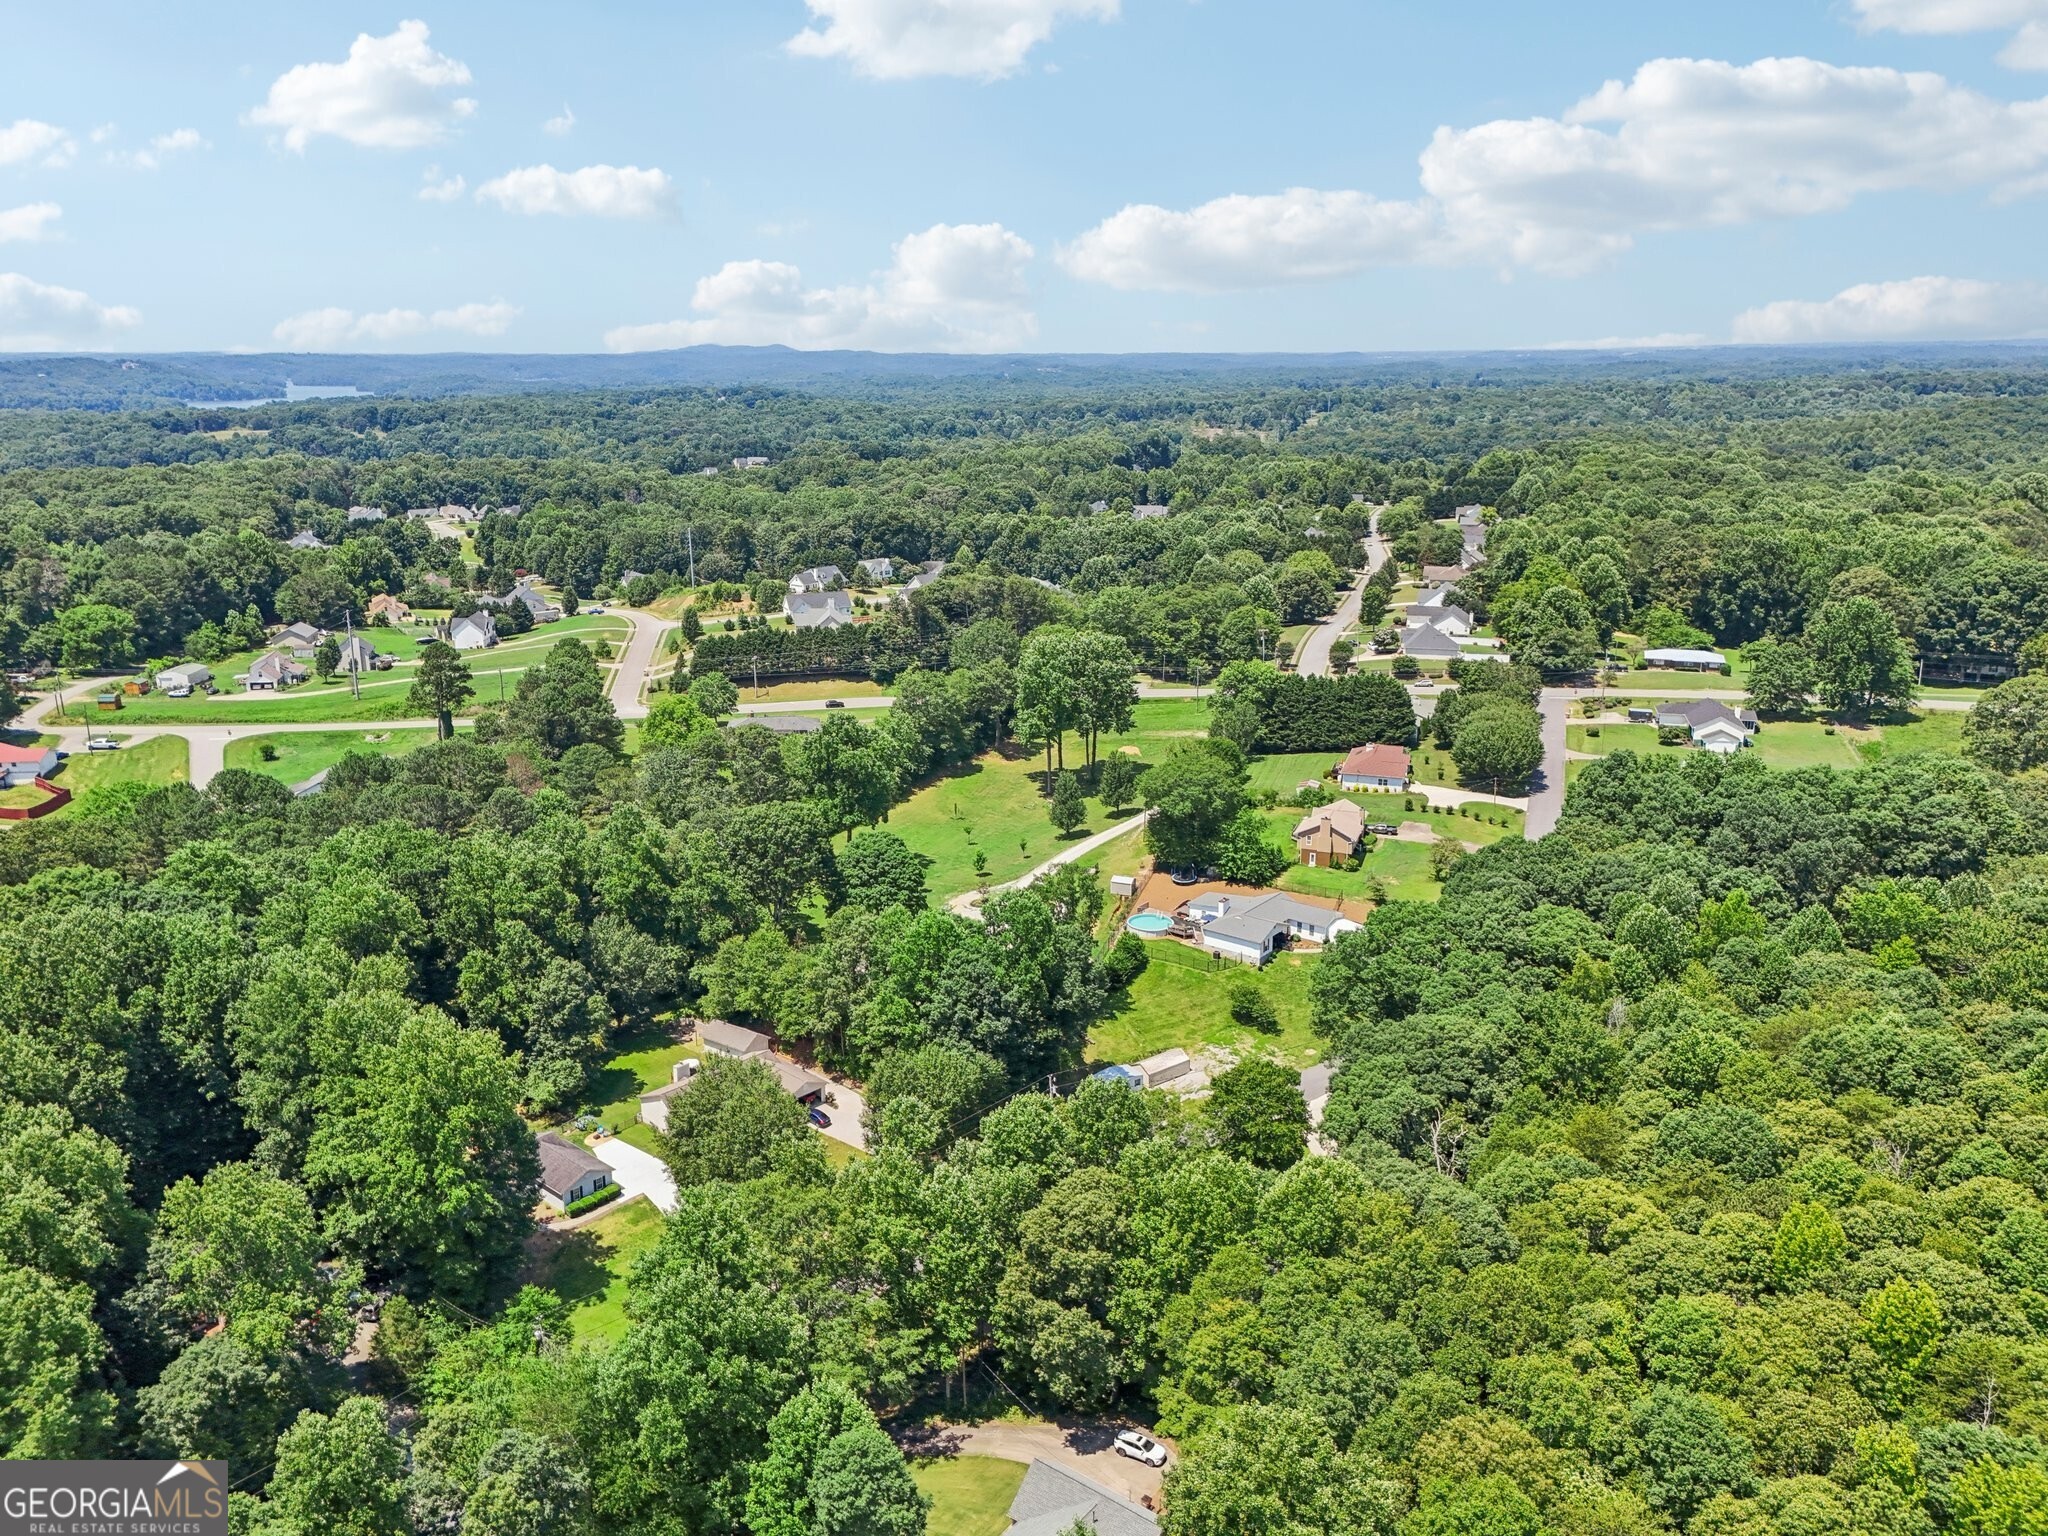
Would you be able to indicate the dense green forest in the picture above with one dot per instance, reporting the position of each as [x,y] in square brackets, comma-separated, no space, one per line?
[1685,1170]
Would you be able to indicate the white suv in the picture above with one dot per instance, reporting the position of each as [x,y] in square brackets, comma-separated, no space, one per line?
[1140,1448]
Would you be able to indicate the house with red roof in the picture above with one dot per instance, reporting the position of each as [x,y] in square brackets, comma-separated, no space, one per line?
[23,765]
[1374,767]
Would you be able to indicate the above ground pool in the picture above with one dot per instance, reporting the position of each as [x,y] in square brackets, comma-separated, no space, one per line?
[1149,922]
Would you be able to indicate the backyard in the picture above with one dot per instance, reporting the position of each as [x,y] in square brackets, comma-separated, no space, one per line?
[587,1267]
[1400,869]
[1781,744]
[1179,999]
[153,760]
[641,1061]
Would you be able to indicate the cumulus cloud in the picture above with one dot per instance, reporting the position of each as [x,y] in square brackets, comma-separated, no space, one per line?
[909,39]
[26,140]
[1686,143]
[1659,342]
[31,221]
[391,92]
[2028,19]
[40,317]
[950,288]
[439,189]
[179,141]
[598,191]
[1913,308]
[560,123]
[333,329]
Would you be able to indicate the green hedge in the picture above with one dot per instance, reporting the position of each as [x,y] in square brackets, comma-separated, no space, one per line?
[604,1196]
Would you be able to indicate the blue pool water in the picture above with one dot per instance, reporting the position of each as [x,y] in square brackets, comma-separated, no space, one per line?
[1149,922]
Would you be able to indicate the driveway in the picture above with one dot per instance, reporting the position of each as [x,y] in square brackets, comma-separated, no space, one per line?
[638,1173]
[642,649]
[968,903]
[848,1112]
[1546,795]
[1078,1445]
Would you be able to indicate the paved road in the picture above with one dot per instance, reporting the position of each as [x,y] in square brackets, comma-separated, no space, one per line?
[636,660]
[1546,798]
[1081,1447]
[968,904]
[1314,660]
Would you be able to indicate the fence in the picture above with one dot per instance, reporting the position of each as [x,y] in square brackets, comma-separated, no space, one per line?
[59,798]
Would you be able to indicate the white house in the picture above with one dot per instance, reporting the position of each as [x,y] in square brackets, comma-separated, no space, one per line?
[1686,660]
[1451,620]
[817,578]
[877,570]
[1374,767]
[178,682]
[567,1172]
[1723,736]
[1712,724]
[818,610]
[305,538]
[21,765]
[301,639]
[750,461]
[473,632]
[1425,642]
[1251,928]
[273,670]
[358,655]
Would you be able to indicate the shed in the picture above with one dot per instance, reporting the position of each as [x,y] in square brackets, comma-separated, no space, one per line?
[1123,885]
[178,682]
[1166,1067]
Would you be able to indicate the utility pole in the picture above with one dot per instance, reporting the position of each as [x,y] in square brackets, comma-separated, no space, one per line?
[690,537]
[757,673]
[355,670]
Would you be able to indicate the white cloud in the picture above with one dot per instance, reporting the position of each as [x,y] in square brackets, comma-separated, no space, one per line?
[25,139]
[438,189]
[1296,236]
[179,141]
[951,288]
[600,191]
[333,329]
[561,123]
[1924,308]
[390,93]
[40,317]
[908,39]
[1662,340]
[31,221]
[1687,143]
[2028,48]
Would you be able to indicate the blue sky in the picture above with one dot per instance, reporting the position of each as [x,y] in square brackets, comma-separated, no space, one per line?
[969,175]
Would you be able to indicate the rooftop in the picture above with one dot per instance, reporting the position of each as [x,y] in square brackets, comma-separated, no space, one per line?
[1374,762]
[562,1163]
[1051,1499]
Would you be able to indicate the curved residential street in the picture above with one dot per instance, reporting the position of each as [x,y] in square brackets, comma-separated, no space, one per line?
[1314,660]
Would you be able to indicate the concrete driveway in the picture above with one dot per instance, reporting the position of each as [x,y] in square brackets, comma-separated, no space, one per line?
[637,1172]
[1079,1445]
[848,1112]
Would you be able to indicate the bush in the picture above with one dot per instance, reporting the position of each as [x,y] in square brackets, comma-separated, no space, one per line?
[1125,962]
[1250,1007]
[604,1196]
[267,751]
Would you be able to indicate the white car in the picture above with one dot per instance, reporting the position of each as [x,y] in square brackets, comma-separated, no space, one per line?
[1140,1448]
[101,744]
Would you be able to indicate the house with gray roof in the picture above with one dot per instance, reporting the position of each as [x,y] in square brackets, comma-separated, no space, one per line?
[1146,512]
[567,1172]
[272,670]
[817,578]
[366,514]
[782,725]
[305,538]
[1251,928]
[878,570]
[1710,723]
[358,655]
[1425,642]
[818,610]
[473,632]
[301,639]
[1052,1500]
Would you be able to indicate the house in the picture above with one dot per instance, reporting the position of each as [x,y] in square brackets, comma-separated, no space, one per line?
[1251,928]
[1442,574]
[1374,767]
[301,639]
[723,1039]
[818,610]
[804,1086]
[1470,514]
[567,1172]
[305,538]
[1710,723]
[1052,1501]
[387,607]
[366,514]
[1098,506]
[817,578]
[1452,620]
[178,682]
[1474,552]
[1330,834]
[1438,596]
[627,578]
[473,632]
[24,765]
[878,570]
[434,579]
[273,670]
[358,655]
[782,725]
[420,514]
[751,461]
[312,786]
[1168,1066]
[801,1084]
[1686,660]
[932,571]
[510,509]
[1425,642]
[1147,511]
[523,593]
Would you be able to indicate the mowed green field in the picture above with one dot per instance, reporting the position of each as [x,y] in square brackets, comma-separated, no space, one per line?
[970,1494]
[588,1267]
[301,754]
[1180,999]
[1402,871]
[154,760]
[1781,744]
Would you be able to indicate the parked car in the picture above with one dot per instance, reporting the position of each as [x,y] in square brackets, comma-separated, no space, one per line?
[1383,829]
[1140,1448]
[101,744]
[593,610]
[819,1118]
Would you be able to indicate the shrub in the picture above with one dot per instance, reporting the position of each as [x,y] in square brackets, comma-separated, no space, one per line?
[1125,962]
[1250,1007]
[604,1196]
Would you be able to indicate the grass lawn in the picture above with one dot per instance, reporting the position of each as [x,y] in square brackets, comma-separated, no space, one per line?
[1282,771]
[1935,731]
[970,1494]
[1180,1000]
[1402,870]
[588,1267]
[837,1153]
[1780,743]
[639,1062]
[1160,719]
[301,754]
[158,760]
[991,807]
[21,797]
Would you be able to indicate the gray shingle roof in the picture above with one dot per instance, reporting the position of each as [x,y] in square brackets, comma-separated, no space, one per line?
[1051,1499]
[562,1163]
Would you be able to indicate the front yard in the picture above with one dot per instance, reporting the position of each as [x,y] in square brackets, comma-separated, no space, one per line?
[1180,999]
[301,754]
